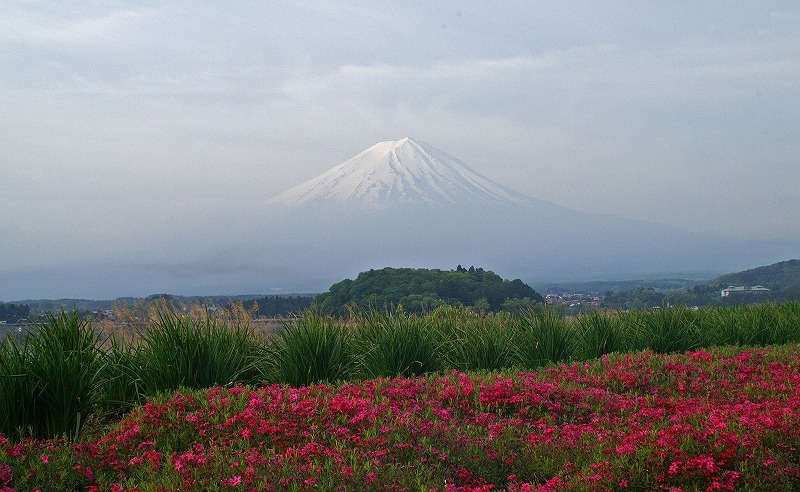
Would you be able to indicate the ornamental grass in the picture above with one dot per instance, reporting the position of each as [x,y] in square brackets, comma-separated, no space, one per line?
[63,375]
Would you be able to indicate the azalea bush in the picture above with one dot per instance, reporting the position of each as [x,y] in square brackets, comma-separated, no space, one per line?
[719,419]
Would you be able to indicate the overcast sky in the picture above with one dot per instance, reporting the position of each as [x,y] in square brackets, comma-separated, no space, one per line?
[129,124]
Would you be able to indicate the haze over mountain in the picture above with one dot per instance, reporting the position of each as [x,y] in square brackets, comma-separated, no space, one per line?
[407,203]
[399,203]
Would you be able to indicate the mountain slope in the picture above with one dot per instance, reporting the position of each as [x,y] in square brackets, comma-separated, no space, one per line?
[402,171]
[781,276]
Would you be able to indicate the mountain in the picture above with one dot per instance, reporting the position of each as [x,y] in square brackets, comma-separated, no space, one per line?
[397,204]
[396,172]
[405,203]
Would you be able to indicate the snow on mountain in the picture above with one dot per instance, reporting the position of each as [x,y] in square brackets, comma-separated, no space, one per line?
[401,171]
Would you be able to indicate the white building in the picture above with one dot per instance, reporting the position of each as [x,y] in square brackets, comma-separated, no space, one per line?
[731,290]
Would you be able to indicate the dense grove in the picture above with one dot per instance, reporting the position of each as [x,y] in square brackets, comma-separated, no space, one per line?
[12,313]
[420,289]
[719,419]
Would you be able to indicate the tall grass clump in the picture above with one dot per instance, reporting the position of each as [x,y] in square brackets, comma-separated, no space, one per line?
[542,339]
[471,341]
[311,349]
[790,322]
[755,324]
[120,384]
[18,393]
[50,382]
[726,326]
[599,334]
[666,330]
[396,344]
[180,350]
[769,323]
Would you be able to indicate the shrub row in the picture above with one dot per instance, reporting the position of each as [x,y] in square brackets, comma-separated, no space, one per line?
[63,373]
[322,349]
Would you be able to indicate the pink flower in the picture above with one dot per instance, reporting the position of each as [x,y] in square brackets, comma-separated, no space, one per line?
[6,474]
[233,481]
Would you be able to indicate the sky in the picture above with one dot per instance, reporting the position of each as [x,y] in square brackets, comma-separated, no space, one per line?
[135,126]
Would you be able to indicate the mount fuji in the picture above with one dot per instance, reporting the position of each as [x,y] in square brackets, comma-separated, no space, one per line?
[406,203]
[396,172]
[400,203]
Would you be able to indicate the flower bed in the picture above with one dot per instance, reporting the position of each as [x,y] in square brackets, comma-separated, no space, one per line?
[722,419]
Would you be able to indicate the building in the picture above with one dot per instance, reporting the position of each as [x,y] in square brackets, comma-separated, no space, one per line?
[742,290]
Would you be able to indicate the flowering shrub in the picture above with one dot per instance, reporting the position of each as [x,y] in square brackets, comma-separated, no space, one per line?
[721,419]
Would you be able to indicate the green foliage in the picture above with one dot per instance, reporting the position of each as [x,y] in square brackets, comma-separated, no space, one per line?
[721,419]
[120,382]
[600,334]
[638,299]
[665,330]
[395,344]
[471,341]
[18,392]
[757,324]
[422,290]
[50,382]
[195,352]
[542,338]
[272,306]
[60,375]
[12,313]
[309,350]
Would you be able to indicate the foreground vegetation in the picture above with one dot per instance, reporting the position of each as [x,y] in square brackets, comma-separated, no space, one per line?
[65,375]
[399,401]
[719,419]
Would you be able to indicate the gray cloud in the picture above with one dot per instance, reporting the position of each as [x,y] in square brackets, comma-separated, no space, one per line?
[129,128]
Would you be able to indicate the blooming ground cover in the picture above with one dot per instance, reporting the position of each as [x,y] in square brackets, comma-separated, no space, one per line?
[717,419]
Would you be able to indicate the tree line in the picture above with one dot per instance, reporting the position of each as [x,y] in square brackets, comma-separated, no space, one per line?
[12,313]
[275,306]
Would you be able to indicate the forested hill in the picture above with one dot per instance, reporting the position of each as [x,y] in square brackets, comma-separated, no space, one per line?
[783,277]
[418,290]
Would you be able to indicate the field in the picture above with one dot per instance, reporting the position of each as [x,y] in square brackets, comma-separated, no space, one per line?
[663,400]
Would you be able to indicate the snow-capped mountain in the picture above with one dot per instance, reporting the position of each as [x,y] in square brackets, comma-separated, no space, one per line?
[406,203]
[401,171]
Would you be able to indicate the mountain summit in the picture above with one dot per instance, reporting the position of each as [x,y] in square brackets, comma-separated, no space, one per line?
[401,171]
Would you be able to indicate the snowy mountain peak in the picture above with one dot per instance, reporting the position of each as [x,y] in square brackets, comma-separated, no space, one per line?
[397,172]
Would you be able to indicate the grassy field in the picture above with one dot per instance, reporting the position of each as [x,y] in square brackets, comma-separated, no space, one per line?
[447,400]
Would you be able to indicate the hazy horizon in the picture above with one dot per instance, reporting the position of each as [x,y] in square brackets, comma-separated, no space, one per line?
[150,133]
